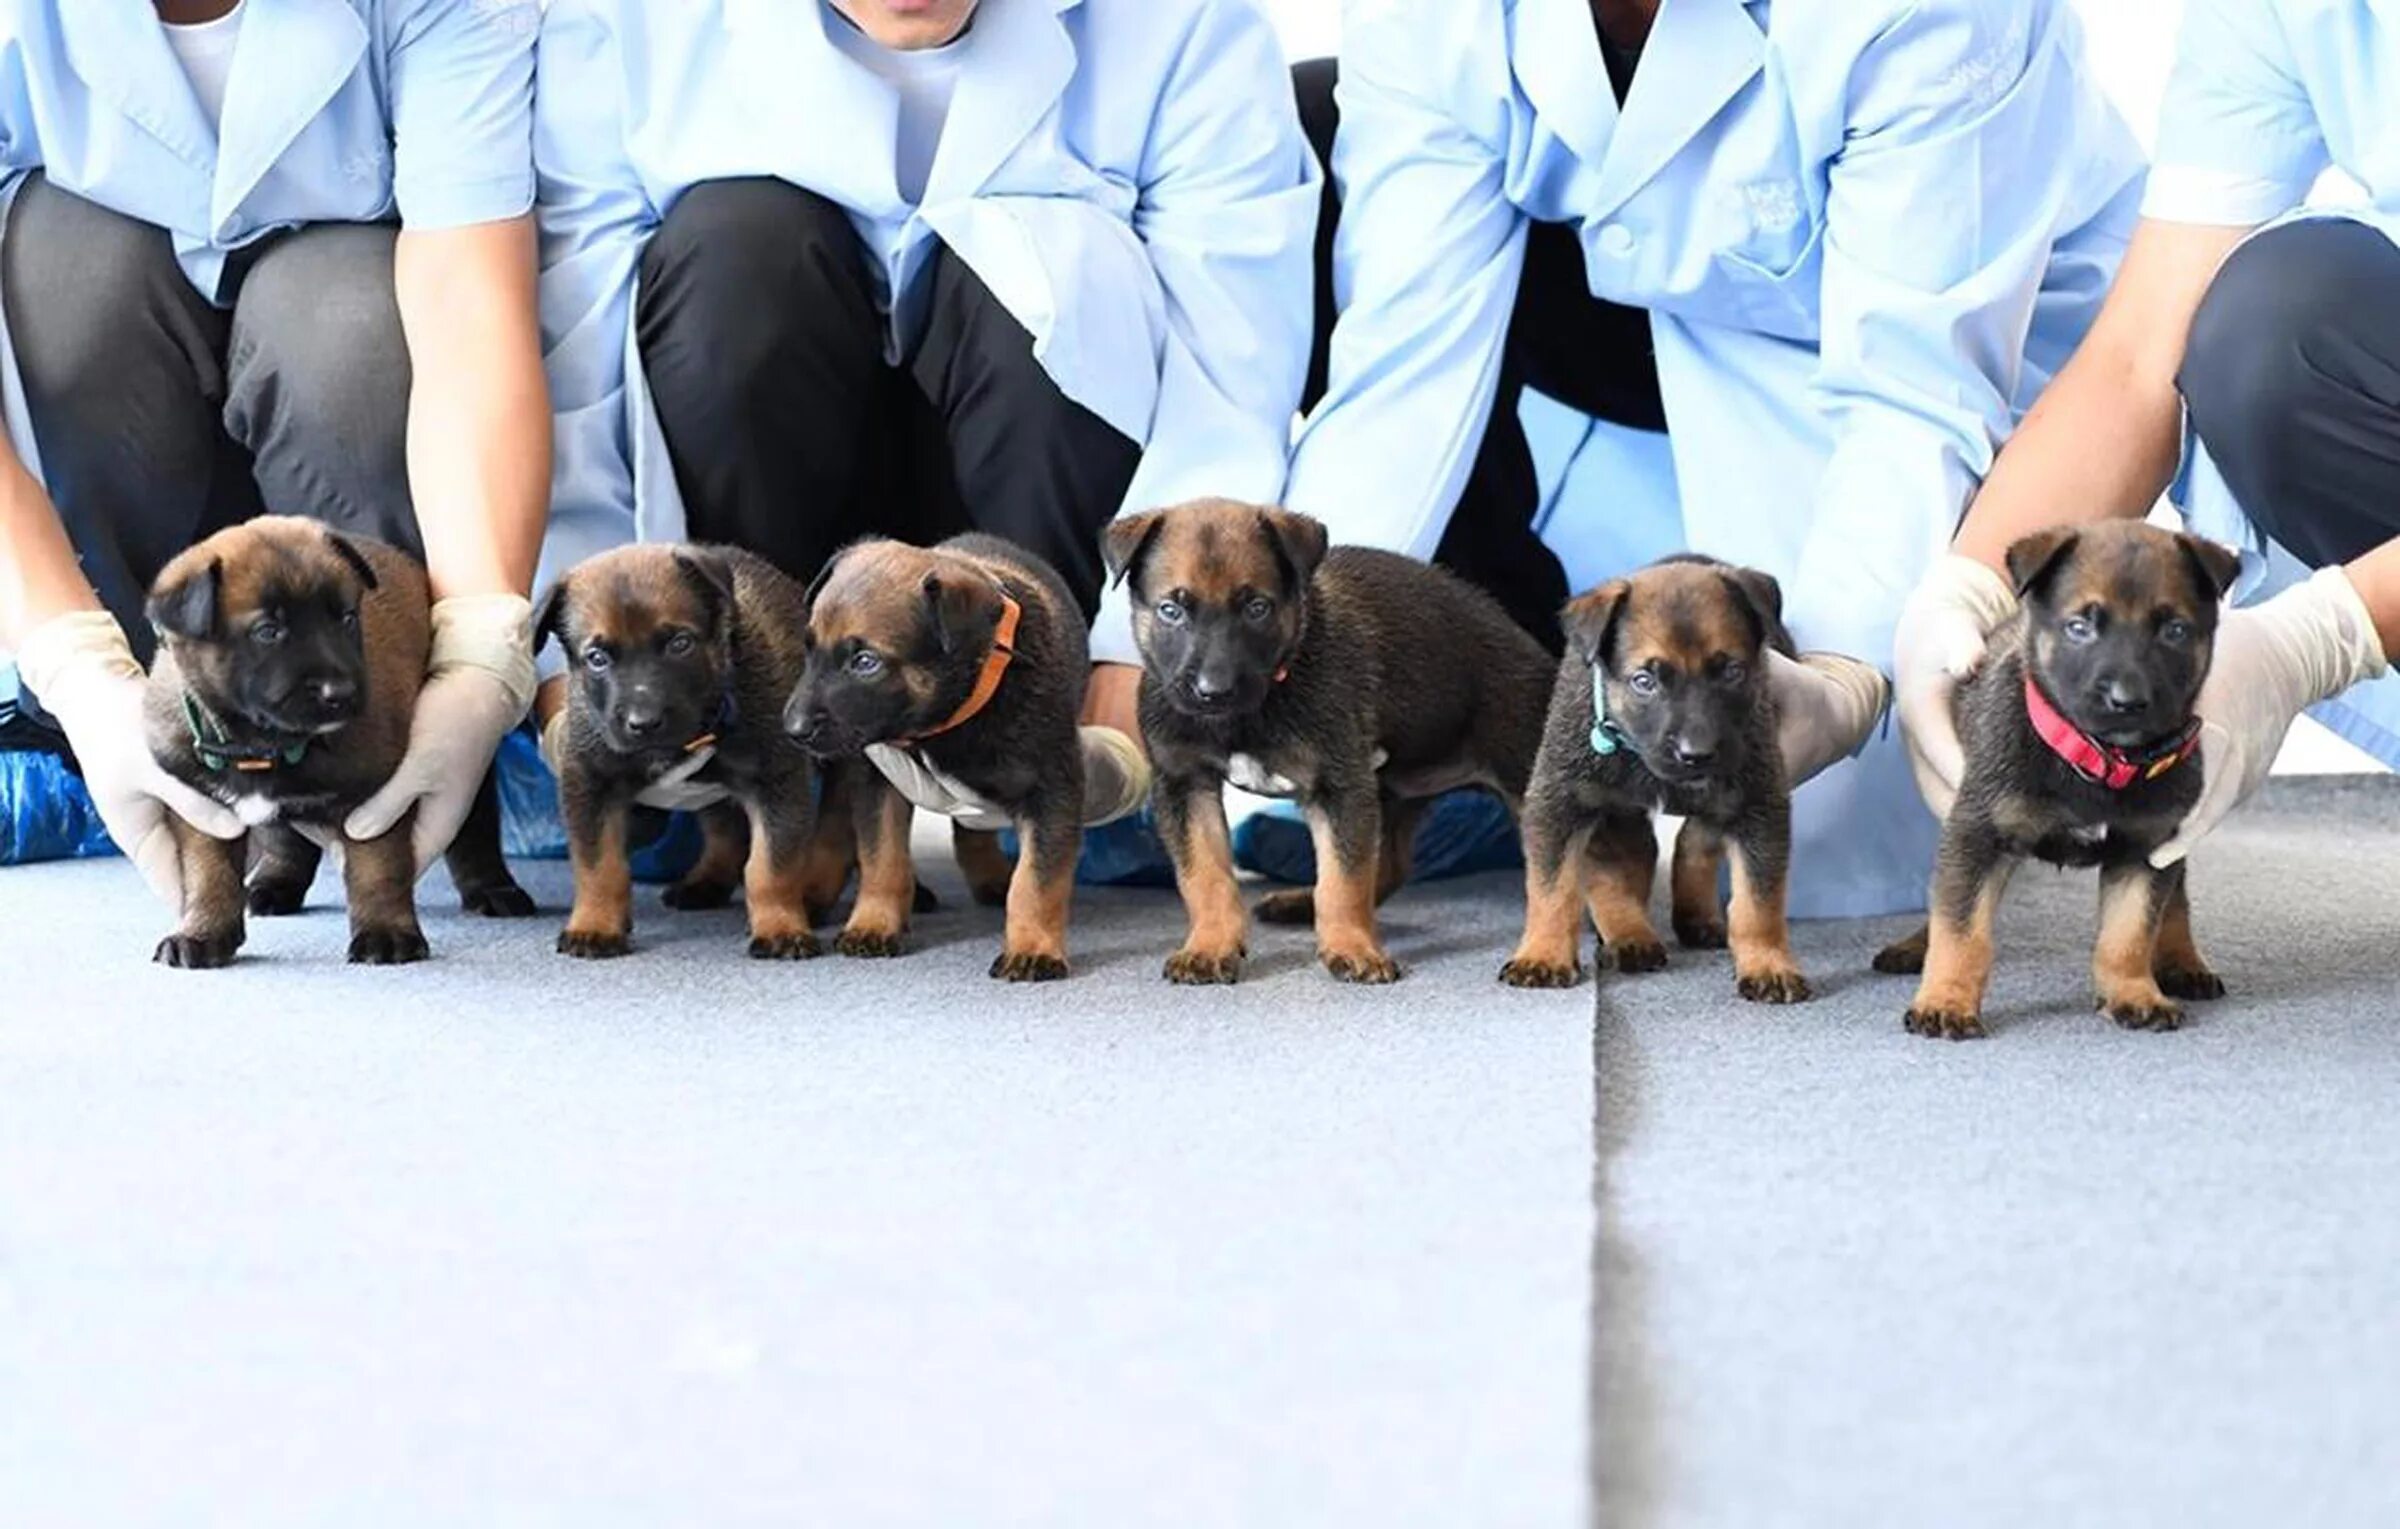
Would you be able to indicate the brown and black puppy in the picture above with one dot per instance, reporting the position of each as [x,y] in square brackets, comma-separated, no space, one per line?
[972,653]
[288,667]
[1358,682]
[684,653]
[2081,750]
[1662,705]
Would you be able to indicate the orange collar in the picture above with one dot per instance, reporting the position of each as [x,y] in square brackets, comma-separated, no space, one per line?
[987,683]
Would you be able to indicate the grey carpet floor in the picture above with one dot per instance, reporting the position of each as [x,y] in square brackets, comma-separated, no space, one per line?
[688,1239]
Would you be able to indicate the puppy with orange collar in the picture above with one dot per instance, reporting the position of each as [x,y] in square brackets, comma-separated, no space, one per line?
[971,657]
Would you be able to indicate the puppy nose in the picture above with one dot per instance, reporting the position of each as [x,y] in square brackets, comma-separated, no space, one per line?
[1210,687]
[1694,756]
[335,694]
[2124,698]
[641,722]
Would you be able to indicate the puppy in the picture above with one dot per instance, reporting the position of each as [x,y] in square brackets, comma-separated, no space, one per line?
[1662,705]
[973,654]
[288,667]
[681,657]
[2081,750]
[1358,682]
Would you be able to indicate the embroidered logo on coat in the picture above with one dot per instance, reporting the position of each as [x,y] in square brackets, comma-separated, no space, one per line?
[1772,206]
[518,18]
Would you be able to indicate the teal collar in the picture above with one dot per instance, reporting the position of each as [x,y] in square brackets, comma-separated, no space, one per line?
[218,753]
[1607,737]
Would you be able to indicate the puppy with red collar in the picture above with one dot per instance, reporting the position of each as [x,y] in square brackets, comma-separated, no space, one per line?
[2081,750]
[970,658]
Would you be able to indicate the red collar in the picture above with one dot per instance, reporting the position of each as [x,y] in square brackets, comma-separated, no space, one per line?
[987,683]
[2100,763]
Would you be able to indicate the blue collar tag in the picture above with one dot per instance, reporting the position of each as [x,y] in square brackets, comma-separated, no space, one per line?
[1604,737]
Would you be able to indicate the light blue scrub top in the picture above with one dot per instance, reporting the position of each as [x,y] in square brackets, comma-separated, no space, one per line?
[1868,234]
[2266,96]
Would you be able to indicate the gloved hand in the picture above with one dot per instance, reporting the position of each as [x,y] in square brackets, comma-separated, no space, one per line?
[675,791]
[1940,641]
[1116,781]
[84,673]
[1828,706]
[478,681]
[2308,644]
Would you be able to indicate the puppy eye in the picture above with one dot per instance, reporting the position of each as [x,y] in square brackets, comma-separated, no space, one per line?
[866,663]
[266,633]
[597,659]
[2175,633]
[1257,608]
[349,621]
[680,645]
[2079,629]
[1735,672]
[1642,682]
[1170,612]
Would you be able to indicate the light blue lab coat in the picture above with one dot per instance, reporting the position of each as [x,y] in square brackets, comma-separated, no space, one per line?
[1868,234]
[1128,177]
[2266,96]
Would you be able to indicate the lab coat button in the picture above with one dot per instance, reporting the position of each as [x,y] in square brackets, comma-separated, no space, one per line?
[1616,239]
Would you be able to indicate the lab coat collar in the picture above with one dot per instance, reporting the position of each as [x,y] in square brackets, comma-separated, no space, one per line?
[120,51]
[1022,63]
[1700,55]
[1555,50]
[292,58]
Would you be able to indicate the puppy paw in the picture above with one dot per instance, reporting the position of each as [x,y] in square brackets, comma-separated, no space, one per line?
[388,947]
[799,946]
[1700,934]
[277,899]
[697,896]
[1774,985]
[1028,966]
[1633,957]
[2193,982]
[195,952]
[1369,966]
[923,900]
[500,900]
[1204,968]
[594,945]
[1296,906]
[1940,1024]
[1903,958]
[1523,971]
[868,944]
[2142,1011]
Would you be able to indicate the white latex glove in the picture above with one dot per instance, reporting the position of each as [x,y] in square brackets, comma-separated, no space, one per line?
[478,682]
[84,673]
[2308,644]
[1116,781]
[674,791]
[1940,641]
[1828,706]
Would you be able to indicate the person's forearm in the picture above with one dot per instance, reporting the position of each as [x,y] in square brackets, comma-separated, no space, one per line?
[2101,444]
[39,576]
[2377,576]
[479,412]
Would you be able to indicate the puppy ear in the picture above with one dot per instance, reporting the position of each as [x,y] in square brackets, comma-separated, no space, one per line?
[1299,542]
[960,611]
[347,550]
[550,616]
[1589,618]
[185,605]
[2219,566]
[1126,541]
[816,586]
[1761,598]
[710,578]
[2034,558]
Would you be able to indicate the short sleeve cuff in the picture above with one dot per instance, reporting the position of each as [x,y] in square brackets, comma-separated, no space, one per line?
[459,203]
[2217,198]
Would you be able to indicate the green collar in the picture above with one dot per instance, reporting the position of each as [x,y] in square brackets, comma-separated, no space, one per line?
[218,753]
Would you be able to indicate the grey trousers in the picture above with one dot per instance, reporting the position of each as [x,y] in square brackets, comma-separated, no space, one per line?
[161,417]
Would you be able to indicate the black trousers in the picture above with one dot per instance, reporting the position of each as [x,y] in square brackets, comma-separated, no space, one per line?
[1591,355]
[791,432]
[161,417]
[2292,378]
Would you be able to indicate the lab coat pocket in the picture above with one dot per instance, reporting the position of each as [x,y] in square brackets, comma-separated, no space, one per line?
[1773,284]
